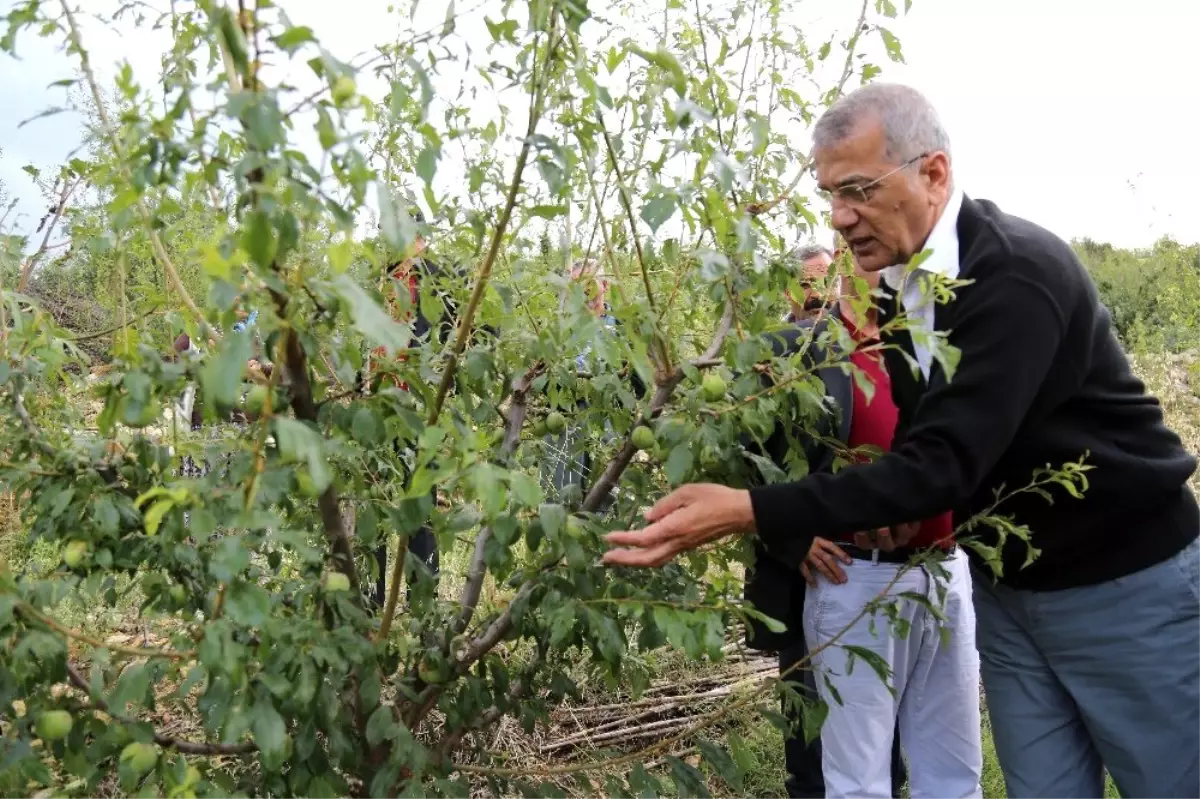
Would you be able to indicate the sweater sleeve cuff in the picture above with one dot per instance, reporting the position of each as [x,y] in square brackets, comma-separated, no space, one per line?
[779,523]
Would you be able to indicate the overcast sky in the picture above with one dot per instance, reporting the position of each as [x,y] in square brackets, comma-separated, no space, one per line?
[1081,115]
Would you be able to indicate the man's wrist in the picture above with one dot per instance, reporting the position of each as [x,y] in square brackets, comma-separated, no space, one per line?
[744,513]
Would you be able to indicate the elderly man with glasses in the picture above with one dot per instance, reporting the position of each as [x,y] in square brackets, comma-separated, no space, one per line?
[1090,654]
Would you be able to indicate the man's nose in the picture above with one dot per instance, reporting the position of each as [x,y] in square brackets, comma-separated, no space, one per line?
[842,215]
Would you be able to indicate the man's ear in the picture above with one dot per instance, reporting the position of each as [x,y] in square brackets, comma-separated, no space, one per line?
[937,171]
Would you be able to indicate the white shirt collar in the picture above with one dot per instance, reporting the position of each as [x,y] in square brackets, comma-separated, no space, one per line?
[942,242]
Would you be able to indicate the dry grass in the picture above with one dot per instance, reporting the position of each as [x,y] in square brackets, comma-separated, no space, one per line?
[1175,380]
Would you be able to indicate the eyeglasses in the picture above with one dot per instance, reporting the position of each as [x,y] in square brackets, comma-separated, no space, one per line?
[858,195]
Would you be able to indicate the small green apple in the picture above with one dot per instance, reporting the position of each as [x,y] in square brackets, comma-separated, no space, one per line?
[714,387]
[76,553]
[642,437]
[556,423]
[344,88]
[53,725]
[139,757]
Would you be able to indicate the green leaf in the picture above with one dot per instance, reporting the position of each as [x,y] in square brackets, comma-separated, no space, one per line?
[364,427]
[892,44]
[427,163]
[258,238]
[381,725]
[153,517]
[553,518]
[269,730]
[395,225]
[665,60]
[688,780]
[293,38]
[525,489]
[369,318]
[722,763]
[679,463]
[299,442]
[503,31]
[548,211]
[448,23]
[658,210]
[488,487]
[248,604]
[614,59]
[222,375]
[132,687]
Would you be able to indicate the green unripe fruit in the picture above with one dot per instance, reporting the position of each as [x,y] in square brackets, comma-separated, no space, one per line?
[256,400]
[178,594]
[192,777]
[660,453]
[433,668]
[714,387]
[575,526]
[139,757]
[642,437]
[539,429]
[556,423]
[76,553]
[53,725]
[344,88]
[336,582]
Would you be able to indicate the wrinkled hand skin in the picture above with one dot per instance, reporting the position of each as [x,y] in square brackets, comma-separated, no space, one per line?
[823,558]
[687,518]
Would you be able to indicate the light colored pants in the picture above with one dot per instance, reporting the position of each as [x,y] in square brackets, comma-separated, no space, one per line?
[1099,677]
[936,683]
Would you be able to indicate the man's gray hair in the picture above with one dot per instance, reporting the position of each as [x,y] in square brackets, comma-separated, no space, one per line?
[811,250]
[911,126]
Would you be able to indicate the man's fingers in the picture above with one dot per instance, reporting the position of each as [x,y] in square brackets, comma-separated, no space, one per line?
[829,567]
[653,556]
[839,553]
[807,574]
[649,536]
[883,540]
[904,533]
[668,504]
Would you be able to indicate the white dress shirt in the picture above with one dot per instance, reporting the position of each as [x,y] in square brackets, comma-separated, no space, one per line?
[916,299]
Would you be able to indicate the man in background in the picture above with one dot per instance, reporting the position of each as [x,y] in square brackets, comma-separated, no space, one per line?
[404,278]
[812,263]
[776,588]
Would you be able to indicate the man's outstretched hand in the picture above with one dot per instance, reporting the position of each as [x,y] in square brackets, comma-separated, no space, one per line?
[687,518]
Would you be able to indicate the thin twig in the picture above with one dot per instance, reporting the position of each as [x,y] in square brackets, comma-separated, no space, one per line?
[25,609]
[757,209]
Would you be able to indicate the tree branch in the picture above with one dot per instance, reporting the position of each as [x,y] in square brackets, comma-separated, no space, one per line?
[512,440]
[466,321]
[25,609]
[60,207]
